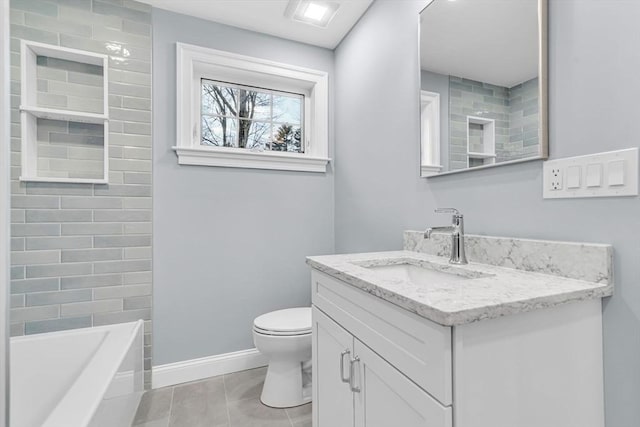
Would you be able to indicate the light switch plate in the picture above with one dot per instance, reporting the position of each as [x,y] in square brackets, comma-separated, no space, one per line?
[574,177]
[610,174]
[615,175]
[594,175]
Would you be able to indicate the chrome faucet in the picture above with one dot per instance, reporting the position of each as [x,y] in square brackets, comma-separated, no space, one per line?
[456,229]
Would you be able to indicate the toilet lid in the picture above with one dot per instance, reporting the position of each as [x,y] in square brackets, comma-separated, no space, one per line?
[291,321]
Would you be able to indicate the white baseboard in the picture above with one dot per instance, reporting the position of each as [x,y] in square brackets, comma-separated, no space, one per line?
[205,367]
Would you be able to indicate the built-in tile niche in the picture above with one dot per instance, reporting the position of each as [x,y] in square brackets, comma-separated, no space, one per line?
[65,114]
[481,141]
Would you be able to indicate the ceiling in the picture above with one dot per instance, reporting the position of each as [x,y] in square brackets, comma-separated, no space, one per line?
[492,41]
[267,16]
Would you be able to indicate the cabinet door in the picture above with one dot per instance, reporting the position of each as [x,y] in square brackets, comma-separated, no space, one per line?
[387,398]
[332,353]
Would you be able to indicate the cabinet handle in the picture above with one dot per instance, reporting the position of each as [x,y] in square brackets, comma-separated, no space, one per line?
[342,355]
[352,376]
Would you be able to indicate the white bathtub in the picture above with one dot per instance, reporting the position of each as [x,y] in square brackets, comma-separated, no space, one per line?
[81,378]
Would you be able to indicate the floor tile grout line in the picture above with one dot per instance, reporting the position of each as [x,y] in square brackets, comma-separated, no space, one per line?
[245,398]
[173,389]
[226,399]
[146,420]
[288,417]
[248,398]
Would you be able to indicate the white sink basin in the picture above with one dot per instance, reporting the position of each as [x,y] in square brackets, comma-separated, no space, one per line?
[423,274]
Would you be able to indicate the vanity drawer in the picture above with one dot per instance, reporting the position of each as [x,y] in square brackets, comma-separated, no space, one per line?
[417,347]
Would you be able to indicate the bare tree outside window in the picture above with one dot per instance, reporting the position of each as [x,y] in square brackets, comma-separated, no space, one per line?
[251,118]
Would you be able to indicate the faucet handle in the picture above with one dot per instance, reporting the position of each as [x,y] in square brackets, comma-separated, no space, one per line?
[453,211]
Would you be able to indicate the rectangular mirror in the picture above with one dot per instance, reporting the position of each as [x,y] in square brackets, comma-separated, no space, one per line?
[483,84]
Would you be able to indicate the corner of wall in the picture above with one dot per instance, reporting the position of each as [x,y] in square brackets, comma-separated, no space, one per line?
[4,211]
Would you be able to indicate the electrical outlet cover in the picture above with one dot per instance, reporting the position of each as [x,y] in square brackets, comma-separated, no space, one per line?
[555,179]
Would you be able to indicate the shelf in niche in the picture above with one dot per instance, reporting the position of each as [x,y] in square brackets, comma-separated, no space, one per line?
[487,139]
[65,115]
[481,155]
[63,180]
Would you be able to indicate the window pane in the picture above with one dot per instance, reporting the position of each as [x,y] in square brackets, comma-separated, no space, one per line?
[287,138]
[287,109]
[218,99]
[254,135]
[219,131]
[251,118]
[254,105]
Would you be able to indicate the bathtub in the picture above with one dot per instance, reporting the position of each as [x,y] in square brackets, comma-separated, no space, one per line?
[81,378]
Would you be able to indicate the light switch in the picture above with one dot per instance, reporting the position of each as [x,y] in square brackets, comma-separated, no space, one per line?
[616,173]
[573,176]
[594,175]
[610,174]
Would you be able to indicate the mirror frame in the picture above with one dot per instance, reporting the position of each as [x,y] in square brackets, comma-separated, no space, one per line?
[427,170]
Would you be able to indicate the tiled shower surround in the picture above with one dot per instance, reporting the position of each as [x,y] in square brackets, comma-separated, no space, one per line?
[515,111]
[81,253]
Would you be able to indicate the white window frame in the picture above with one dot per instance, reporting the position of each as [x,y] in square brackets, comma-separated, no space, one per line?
[430,162]
[195,63]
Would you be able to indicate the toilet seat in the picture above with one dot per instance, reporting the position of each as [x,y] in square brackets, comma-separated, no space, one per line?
[281,334]
[288,322]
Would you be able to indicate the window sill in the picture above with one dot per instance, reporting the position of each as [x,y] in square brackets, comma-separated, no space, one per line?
[429,170]
[233,158]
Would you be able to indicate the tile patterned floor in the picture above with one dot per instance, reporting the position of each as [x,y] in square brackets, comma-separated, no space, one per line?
[226,401]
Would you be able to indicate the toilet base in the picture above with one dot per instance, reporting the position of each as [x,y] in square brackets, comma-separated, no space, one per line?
[283,386]
[285,337]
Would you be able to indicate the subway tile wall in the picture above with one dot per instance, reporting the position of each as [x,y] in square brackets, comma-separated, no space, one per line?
[515,111]
[524,121]
[81,253]
[69,85]
[472,98]
[70,149]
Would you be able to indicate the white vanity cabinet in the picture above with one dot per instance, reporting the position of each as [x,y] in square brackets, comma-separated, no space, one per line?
[378,365]
[365,390]
[333,348]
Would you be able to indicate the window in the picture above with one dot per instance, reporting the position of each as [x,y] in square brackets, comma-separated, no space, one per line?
[238,111]
[251,118]
[430,135]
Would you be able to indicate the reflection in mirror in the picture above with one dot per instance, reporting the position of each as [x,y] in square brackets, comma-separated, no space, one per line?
[483,81]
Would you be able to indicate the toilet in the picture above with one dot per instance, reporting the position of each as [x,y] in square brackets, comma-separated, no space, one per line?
[284,336]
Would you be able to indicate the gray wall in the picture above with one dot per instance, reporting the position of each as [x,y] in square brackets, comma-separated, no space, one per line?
[379,193]
[81,253]
[230,244]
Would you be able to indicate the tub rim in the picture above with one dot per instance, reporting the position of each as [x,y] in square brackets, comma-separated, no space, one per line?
[66,411]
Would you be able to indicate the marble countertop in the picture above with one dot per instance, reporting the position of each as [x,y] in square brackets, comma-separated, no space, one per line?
[488,291]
